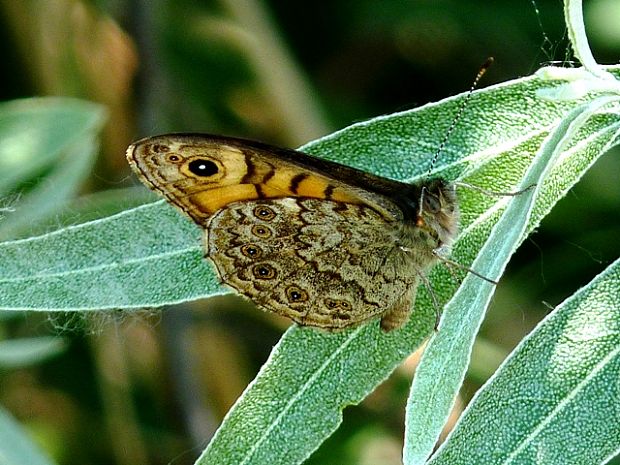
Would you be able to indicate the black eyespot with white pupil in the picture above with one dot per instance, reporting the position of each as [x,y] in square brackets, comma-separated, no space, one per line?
[264,213]
[251,251]
[170,157]
[264,271]
[203,167]
[296,294]
[262,232]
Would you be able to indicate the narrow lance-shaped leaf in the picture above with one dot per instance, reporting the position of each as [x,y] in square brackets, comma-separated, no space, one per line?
[555,399]
[49,195]
[47,148]
[35,132]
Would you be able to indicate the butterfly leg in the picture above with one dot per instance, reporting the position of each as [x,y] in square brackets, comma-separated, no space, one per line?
[451,263]
[429,288]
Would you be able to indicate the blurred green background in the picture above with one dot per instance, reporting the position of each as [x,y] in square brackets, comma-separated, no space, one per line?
[151,387]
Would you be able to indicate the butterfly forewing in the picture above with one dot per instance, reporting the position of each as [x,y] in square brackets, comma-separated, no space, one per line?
[201,174]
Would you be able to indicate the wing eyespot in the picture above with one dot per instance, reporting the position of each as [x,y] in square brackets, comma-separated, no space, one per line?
[264,213]
[172,158]
[203,167]
[251,251]
[264,271]
[262,232]
[296,294]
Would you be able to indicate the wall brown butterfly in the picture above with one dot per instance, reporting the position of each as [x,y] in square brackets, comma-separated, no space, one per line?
[324,244]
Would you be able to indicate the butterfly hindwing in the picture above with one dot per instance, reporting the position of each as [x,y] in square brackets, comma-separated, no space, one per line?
[317,262]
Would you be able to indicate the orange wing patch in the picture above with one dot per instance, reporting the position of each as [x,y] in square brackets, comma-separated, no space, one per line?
[205,176]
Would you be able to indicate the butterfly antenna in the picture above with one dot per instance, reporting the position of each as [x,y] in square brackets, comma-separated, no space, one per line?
[483,69]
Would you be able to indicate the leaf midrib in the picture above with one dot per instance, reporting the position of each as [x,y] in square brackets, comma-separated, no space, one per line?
[105,266]
[299,394]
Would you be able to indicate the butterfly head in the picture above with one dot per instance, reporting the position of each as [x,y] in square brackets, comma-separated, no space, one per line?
[438,210]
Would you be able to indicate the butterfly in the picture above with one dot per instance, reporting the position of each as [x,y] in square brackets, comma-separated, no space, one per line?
[324,244]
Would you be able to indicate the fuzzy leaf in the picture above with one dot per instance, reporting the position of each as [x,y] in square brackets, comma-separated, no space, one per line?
[446,358]
[36,132]
[47,148]
[555,399]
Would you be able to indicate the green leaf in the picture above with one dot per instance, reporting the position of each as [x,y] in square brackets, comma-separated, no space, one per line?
[15,447]
[51,134]
[17,353]
[118,262]
[576,30]
[43,201]
[555,399]
[35,132]
[442,368]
